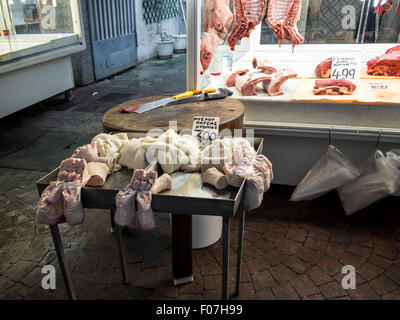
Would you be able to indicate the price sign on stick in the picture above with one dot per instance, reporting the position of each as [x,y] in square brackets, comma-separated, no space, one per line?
[206,129]
[346,67]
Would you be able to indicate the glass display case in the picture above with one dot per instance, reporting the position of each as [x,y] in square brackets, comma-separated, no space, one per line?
[37,39]
[296,121]
[34,26]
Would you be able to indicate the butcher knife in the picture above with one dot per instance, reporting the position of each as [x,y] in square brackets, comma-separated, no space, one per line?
[186,97]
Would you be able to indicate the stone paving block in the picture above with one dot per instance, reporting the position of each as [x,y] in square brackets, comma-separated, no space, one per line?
[264,245]
[16,292]
[336,250]
[5,284]
[353,260]
[212,282]
[383,285]
[275,257]
[394,274]
[316,244]
[246,292]
[197,286]
[288,246]
[285,292]
[329,265]
[297,234]
[318,276]
[263,279]
[304,286]
[394,295]
[386,252]
[19,270]
[282,273]
[332,290]
[265,294]
[364,292]
[212,295]
[308,255]
[297,265]
[165,290]
[369,271]
[147,279]
[256,265]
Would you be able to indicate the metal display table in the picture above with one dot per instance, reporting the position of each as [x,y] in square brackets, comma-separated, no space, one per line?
[195,198]
[231,114]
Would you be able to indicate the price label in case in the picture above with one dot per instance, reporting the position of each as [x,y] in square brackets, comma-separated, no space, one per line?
[378,85]
[346,67]
[206,128]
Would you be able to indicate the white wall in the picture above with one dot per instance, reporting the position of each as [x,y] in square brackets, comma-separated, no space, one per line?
[147,34]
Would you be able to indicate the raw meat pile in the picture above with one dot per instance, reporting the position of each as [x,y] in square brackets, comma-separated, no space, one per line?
[271,78]
[61,201]
[387,64]
[323,70]
[282,19]
[385,7]
[283,16]
[230,162]
[334,87]
[138,194]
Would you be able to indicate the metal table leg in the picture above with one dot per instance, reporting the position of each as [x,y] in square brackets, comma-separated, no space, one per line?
[239,251]
[112,221]
[120,250]
[69,287]
[225,258]
[182,261]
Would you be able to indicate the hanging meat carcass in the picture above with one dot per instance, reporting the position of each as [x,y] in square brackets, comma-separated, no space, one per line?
[387,64]
[282,19]
[247,15]
[217,20]
[383,8]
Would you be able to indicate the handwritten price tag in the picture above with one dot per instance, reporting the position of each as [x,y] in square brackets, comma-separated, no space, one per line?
[346,67]
[206,129]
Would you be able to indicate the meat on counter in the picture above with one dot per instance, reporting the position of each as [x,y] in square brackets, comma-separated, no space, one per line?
[323,69]
[215,177]
[98,174]
[61,201]
[387,64]
[334,87]
[139,192]
[274,86]
[231,77]
[263,65]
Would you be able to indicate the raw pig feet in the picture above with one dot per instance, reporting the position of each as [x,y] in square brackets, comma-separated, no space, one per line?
[145,213]
[73,210]
[125,215]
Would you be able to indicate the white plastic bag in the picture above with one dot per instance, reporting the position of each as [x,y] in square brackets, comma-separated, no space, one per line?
[393,157]
[331,171]
[378,180]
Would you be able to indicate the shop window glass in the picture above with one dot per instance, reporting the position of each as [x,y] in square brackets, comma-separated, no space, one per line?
[35,26]
[342,22]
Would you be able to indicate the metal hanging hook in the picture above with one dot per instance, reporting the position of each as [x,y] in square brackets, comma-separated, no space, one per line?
[379,138]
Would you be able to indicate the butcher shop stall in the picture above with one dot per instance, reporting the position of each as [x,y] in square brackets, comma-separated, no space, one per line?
[309,72]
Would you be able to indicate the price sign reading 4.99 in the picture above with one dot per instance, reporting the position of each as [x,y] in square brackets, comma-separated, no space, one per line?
[346,67]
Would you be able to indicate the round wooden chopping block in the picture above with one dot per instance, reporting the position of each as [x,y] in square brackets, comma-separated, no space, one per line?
[229,110]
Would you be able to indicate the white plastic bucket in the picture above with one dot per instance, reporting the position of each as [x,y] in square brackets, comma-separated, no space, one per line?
[165,49]
[206,230]
[180,43]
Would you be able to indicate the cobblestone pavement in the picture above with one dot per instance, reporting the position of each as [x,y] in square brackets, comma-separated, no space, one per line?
[292,250]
